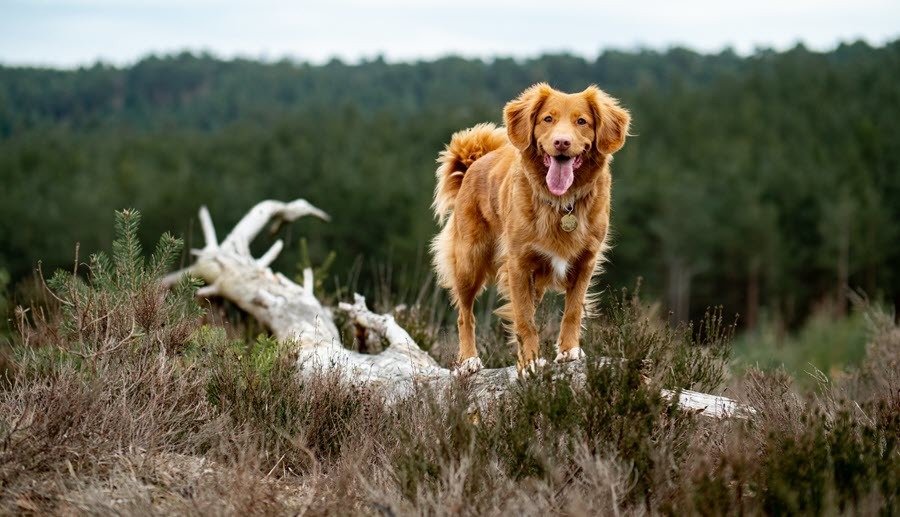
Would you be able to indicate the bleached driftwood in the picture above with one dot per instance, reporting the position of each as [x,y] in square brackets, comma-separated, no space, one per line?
[293,313]
[403,366]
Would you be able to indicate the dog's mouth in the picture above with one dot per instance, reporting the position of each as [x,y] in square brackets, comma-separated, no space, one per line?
[561,172]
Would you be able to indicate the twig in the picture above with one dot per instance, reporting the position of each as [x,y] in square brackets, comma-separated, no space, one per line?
[47,287]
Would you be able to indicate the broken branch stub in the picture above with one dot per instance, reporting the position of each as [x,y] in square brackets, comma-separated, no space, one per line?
[291,311]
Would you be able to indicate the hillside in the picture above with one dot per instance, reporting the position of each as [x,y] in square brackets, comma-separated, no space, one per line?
[766,184]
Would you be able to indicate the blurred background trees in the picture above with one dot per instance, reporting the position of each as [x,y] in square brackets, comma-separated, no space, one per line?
[769,184]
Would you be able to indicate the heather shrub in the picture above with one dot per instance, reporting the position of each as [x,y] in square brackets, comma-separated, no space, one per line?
[301,420]
[128,398]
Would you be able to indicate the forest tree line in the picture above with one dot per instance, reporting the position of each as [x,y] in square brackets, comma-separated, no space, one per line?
[768,183]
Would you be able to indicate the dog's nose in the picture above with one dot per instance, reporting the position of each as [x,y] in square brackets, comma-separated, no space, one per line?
[561,143]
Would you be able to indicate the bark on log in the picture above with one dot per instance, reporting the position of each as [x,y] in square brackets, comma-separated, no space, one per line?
[293,313]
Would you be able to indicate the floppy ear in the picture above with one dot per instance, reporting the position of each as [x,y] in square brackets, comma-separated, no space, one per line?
[518,115]
[611,119]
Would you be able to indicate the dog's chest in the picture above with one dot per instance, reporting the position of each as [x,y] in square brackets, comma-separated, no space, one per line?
[559,267]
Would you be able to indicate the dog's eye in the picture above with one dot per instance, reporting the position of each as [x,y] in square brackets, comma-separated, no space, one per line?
[581,121]
[548,118]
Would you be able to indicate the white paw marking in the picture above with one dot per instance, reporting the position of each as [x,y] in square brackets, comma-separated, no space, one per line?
[468,367]
[532,367]
[572,354]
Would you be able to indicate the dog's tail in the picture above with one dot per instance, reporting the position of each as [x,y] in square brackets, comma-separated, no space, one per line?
[464,148]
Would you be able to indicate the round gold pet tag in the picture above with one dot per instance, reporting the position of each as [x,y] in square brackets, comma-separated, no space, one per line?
[568,222]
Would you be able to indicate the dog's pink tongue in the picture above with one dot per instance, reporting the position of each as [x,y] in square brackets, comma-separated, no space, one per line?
[560,176]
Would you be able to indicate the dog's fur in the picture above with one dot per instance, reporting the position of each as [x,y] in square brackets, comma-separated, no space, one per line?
[501,219]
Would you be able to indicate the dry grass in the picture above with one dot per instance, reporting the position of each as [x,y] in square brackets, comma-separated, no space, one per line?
[123,402]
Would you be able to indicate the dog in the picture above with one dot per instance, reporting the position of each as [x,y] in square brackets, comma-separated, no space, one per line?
[527,207]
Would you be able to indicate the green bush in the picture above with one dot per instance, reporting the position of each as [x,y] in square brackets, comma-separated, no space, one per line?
[825,343]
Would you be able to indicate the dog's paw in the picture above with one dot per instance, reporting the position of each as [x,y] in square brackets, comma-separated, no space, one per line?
[572,354]
[468,367]
[532,367]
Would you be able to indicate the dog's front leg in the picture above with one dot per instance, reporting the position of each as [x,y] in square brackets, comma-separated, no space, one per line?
[578,280]
[522,298]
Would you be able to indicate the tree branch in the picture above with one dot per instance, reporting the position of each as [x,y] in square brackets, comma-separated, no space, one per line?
[293,313]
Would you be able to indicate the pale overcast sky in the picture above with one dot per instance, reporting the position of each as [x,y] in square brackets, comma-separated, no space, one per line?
[70,33]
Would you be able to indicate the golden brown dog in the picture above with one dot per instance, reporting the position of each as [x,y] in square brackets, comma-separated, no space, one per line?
[528,207]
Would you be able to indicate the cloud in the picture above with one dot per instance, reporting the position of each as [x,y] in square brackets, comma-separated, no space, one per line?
[74,32]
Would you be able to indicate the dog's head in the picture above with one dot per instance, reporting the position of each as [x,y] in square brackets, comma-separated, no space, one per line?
[561,132]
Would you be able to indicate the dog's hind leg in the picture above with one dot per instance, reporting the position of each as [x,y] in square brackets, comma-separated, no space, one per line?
[472,263]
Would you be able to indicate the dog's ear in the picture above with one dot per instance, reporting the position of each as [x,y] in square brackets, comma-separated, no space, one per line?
[518,115]
[611,120]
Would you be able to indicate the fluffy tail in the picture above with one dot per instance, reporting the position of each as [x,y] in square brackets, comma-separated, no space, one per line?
[464,148]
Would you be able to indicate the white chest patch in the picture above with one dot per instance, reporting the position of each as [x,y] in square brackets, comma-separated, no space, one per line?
[560,267]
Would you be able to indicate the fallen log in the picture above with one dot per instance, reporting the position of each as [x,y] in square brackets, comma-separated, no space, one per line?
[293,313]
